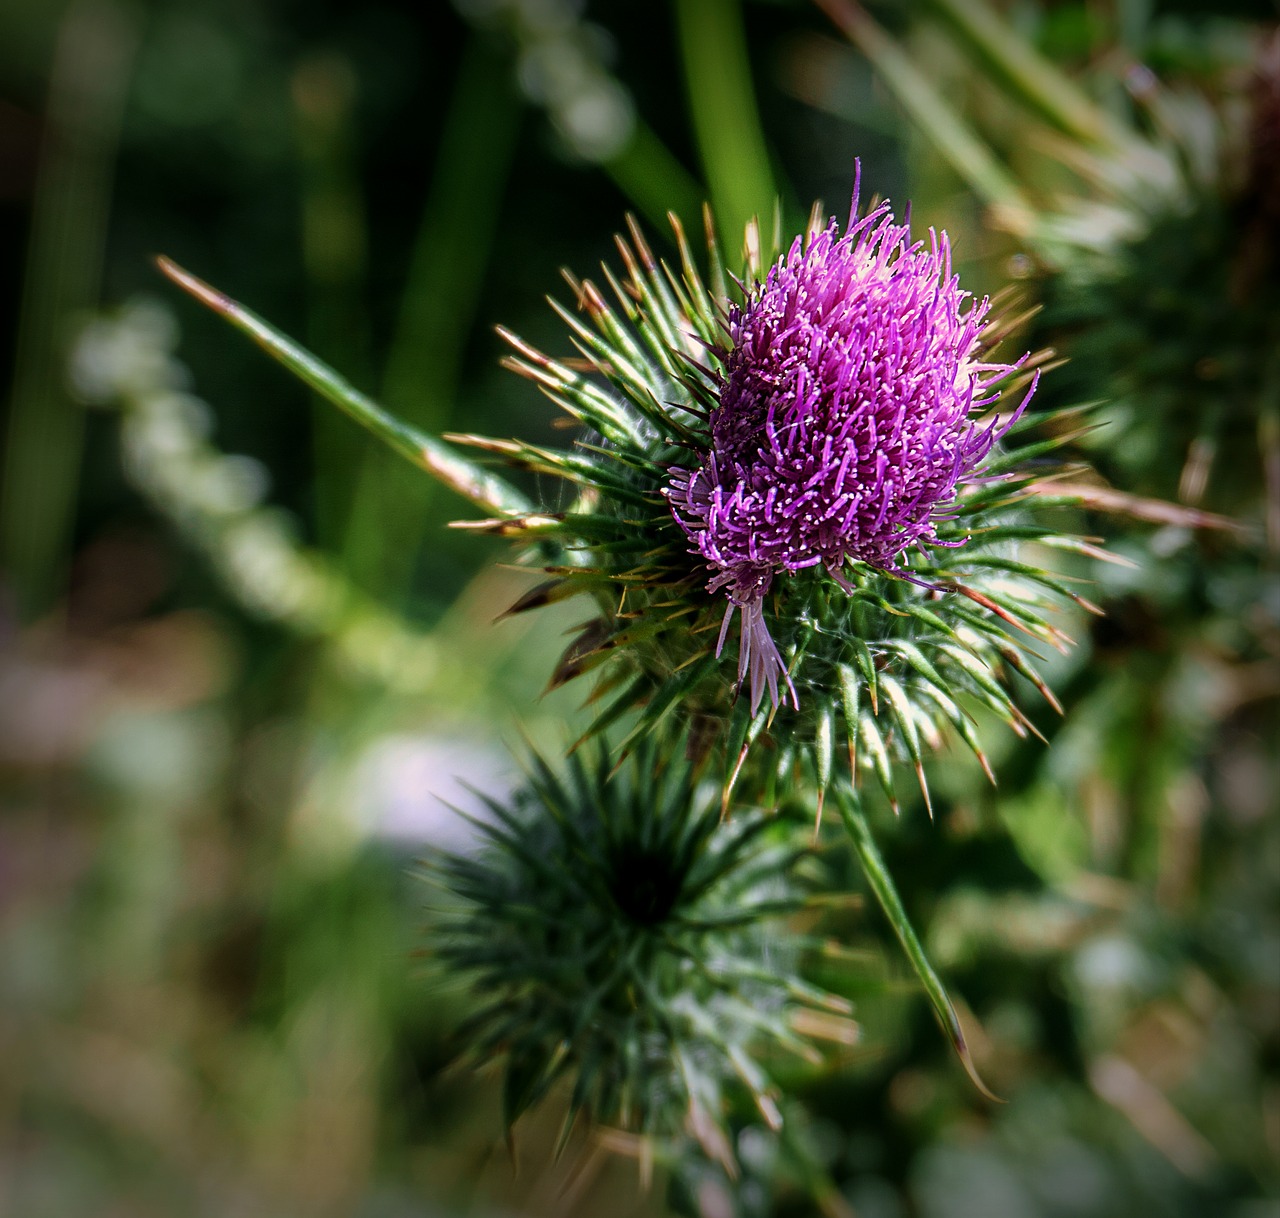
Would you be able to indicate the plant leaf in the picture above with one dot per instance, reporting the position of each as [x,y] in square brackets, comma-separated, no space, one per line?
[886,894]
[437,458]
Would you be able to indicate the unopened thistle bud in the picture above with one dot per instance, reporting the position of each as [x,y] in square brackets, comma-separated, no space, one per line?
[627,943]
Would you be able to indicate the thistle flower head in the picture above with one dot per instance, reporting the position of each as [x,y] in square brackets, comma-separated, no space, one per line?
[820,448]
[624,940]
[847,418]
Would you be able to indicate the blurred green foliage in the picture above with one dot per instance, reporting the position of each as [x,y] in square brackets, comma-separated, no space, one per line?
[210,811]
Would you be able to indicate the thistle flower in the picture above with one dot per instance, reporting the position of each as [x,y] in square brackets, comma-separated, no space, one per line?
[622,938]
[851,383]
[824,449]
[885,580]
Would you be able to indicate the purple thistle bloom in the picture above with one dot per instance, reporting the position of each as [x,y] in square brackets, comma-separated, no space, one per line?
[846,421]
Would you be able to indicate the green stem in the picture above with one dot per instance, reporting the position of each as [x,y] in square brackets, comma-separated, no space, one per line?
[873,865]
[451,254]
[1005,55]
[334,248]
[648,173]
[726,121]
[952,138]
[454,243]
[45,437]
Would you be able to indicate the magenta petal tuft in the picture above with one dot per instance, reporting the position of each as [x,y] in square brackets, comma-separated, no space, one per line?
[848,417]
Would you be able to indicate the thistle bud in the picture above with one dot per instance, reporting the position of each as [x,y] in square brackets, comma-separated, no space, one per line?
[627,944]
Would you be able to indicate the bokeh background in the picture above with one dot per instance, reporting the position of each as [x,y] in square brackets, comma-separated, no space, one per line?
[246,669]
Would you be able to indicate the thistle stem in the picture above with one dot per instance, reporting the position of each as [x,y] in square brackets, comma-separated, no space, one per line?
[726,120]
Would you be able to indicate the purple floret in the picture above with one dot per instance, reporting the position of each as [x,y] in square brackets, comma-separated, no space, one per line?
[846,422]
